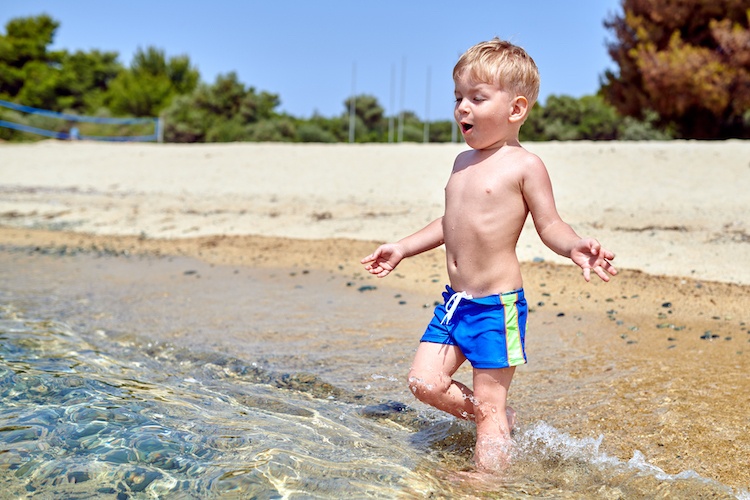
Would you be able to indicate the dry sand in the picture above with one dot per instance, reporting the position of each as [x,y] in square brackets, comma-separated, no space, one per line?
[676,321]
[668,208]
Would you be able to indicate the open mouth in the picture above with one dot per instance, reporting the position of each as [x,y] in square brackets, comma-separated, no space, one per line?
[466,126]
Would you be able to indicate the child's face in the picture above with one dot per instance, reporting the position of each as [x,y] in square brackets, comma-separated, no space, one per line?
[483,112]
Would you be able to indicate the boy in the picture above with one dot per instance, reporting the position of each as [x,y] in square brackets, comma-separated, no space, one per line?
[490,192]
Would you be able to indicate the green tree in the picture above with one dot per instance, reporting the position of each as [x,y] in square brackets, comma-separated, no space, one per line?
[564,118]
[86,77]
[687,60]
[222,112]
[32,75]
[412,127]
[29,73]
[150,84]
[587,118]
[319,129]
[370,123]
[441,131]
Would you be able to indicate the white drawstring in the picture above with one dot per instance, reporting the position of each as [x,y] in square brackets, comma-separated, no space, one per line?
[452,305]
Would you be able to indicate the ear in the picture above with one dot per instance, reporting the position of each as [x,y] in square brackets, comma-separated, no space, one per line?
[519,109]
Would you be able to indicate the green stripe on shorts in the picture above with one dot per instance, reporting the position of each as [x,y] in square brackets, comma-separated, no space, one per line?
[512,330]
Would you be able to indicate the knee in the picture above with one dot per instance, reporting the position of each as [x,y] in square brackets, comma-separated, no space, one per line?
[426,387]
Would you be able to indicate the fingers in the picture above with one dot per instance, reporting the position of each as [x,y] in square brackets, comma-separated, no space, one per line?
[604,270]
[600,272]
[374,268]
[595,247]
[374,265]
[370,258]
[379,271]
[601,252]
[606,254]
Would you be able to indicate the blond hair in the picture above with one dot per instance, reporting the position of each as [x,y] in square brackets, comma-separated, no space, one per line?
[501,63]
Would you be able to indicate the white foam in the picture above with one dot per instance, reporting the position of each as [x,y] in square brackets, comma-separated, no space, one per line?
[544,438]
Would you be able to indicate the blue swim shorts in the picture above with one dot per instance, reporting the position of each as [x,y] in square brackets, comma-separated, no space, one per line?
[490,331]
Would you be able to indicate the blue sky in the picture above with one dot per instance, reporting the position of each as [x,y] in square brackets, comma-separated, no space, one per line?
[313,54]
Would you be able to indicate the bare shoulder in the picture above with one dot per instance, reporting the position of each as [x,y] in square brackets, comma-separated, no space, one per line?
[521,163]
[526,159]
[464,159]
[530,165]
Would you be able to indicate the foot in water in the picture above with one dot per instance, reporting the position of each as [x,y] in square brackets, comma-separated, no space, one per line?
[492,452]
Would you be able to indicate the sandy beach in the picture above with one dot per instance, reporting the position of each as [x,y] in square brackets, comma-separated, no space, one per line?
[672,330]
[671,208]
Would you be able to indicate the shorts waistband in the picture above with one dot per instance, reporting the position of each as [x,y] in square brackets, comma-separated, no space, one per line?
[453,300]
[489,299]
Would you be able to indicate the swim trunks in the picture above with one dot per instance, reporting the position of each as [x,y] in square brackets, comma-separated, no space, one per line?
[490,331]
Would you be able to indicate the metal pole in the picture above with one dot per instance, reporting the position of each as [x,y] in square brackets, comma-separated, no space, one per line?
[401,111]
[426,137]
[393,103]
[352,103]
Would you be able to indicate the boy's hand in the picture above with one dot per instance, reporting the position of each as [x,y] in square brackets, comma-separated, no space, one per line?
[589,254]
[383,260]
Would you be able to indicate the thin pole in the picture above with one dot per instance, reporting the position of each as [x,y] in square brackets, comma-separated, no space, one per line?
[403,91]
[393,103]
[426,137]
[352,103]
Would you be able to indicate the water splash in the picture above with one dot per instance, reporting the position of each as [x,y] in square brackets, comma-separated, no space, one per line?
[580,461]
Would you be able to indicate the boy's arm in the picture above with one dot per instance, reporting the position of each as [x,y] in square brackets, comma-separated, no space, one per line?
[386,257]
[587,253]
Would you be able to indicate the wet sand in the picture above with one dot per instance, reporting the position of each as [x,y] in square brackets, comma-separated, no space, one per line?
[668,340]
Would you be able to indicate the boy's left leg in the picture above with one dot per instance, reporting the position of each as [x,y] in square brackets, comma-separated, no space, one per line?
[492,415]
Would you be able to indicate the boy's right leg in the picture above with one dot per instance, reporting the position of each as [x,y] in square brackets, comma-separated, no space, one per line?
[431,379]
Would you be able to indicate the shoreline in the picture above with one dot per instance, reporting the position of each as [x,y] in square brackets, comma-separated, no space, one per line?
[648,340]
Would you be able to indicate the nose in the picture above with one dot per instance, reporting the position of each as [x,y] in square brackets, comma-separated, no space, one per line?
[462,106]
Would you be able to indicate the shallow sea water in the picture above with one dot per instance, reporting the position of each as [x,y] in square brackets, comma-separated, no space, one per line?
[125,377]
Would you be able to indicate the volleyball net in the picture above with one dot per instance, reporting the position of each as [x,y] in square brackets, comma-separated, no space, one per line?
[67,126]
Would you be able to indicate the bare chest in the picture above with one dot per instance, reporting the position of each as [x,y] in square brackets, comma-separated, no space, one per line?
[483,188]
